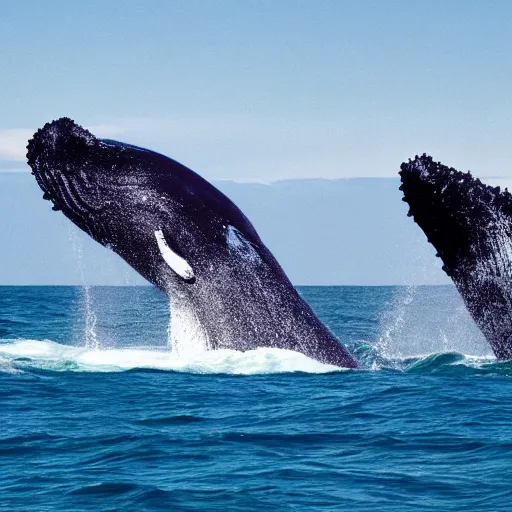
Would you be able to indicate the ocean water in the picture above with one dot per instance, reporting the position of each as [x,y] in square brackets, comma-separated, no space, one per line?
[97,414]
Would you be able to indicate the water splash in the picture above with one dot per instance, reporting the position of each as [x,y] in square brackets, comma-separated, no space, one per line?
[29,355]
[428,320]
[393,322]
[185,334]
[91,339]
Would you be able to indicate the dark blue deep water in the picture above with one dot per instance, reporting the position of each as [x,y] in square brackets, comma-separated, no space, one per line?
[97,415]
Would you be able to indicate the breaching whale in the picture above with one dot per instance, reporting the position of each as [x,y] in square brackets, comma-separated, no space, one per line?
[184,236]
[470,225]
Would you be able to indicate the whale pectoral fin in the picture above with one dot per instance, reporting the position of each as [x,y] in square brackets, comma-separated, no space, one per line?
[178,264]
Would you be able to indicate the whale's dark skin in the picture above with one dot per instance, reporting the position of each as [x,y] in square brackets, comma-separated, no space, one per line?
[470,225]
[121,195]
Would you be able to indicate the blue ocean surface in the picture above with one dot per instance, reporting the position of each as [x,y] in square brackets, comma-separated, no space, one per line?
[98,414]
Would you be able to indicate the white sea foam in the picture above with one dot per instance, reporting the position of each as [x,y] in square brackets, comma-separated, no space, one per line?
[54,356]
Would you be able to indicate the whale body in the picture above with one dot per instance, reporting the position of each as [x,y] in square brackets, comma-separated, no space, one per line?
[184,236]
[470,225]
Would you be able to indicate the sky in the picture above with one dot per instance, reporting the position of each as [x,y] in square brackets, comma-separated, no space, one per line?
[266,90]
[258,91]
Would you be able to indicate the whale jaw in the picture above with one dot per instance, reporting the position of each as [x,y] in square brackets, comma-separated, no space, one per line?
[470,225]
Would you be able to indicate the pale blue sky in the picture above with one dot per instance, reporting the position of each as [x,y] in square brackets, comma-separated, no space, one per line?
[262,90]
[258,91]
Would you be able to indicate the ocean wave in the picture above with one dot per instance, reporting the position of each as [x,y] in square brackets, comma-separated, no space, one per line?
[16,355]
[25,355]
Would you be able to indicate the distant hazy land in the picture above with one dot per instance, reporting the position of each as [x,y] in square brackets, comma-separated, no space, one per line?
[323,232]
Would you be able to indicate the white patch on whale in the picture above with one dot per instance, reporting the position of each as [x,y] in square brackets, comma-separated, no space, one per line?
[240,245]
[177,263]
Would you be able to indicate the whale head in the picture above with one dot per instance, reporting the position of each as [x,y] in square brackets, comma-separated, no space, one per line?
[470,225]
[170,224]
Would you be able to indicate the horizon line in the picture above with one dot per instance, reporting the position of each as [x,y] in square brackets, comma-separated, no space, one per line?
[151,286]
